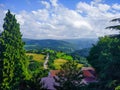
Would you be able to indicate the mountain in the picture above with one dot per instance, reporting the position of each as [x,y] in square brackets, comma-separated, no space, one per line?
[66,45]
[58,45]
[82,42]
[83,52]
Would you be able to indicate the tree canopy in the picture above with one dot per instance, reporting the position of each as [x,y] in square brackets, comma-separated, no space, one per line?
[105,58]
[13,60]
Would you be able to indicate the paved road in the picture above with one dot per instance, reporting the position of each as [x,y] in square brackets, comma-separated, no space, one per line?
[46,61]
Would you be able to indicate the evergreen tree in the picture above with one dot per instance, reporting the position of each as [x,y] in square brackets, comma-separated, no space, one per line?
[13,64]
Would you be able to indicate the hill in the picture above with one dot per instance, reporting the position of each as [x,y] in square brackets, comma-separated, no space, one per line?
[82,52]
[65,45]
[82,42]
[57,45]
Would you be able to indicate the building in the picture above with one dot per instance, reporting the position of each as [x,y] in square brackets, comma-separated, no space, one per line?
[49,82]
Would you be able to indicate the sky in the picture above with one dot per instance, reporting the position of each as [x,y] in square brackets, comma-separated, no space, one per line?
[62,19]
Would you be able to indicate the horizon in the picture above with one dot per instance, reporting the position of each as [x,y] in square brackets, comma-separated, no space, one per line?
[60,39]
[60,19]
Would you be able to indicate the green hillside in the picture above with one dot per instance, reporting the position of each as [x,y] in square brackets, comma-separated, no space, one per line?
[58,45]
[65,45]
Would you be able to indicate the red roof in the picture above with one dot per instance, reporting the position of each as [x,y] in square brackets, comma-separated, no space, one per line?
[54,72]
[88,72]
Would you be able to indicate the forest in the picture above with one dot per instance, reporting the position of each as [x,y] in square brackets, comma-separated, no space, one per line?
[23,67]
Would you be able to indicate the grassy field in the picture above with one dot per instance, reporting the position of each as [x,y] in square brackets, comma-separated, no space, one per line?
[59,62]
[37,57]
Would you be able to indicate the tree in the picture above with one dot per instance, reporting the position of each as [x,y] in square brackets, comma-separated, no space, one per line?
[69,77]
[105,58]
[13,60]
[117,88]
[116,27]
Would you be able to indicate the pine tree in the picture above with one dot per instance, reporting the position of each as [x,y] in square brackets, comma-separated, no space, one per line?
[13,66]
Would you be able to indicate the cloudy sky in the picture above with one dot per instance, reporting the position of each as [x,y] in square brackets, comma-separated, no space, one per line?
[62,19]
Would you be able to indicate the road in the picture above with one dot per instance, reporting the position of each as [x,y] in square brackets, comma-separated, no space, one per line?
[46,61]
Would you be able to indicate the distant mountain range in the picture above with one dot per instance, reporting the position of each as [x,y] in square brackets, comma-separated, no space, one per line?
[66,45]
[82,42]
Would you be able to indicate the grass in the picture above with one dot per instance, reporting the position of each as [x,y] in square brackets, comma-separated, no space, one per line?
[37,57]
[80,65]
[59,62]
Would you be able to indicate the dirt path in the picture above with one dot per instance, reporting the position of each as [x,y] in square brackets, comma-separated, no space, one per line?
[46,61]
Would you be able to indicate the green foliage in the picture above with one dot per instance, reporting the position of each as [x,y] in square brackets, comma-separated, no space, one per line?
[36,71]
[34,82]
[13,61]
[52,57]
[58,45]
[34,65]
[81,53]
[117,88]
[105,58]
[69,76]
[90,86]
[84,61]
[63,56]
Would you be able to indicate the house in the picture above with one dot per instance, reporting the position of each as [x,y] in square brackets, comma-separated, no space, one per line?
[53,73]
[49,82]
[89,75]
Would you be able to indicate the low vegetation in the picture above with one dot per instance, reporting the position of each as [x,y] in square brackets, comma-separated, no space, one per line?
[59,62]
[36,57]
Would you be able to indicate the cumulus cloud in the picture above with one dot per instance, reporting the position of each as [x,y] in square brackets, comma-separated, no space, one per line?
[98,15]
[54,2]
[56,21]
[47,5]
[60,23]
[116,6]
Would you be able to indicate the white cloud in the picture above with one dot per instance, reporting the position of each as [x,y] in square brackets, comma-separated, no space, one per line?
[2,14]
[47,5]
[54,3]
[103,7]
[116,6]
[56,21]
[97,1]
[98,15]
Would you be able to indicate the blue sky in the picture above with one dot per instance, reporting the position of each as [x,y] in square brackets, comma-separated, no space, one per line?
[18,5]
[59,19]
